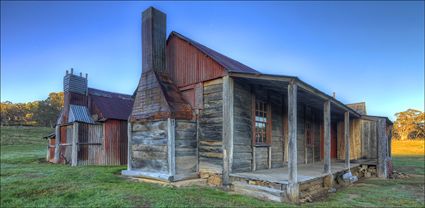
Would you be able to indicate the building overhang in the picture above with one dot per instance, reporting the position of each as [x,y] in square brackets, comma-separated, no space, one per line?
[281,81]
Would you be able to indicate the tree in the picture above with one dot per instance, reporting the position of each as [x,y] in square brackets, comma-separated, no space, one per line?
[410,124]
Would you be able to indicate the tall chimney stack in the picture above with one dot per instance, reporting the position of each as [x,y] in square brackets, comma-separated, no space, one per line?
[153,40]
[157,97]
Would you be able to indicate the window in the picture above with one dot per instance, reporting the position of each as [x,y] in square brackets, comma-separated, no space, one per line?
[261,122]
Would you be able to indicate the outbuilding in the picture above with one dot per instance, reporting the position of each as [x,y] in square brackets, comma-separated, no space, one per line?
[92,126]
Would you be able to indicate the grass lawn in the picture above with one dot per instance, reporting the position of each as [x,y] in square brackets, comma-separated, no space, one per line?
[26,180]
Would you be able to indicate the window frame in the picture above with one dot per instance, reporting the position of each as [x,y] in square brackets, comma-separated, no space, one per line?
[268,123]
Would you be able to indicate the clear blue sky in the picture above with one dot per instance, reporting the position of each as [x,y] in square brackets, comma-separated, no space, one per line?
[364,51]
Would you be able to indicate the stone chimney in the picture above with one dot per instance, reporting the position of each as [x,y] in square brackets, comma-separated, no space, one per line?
[156,95]
[153,40]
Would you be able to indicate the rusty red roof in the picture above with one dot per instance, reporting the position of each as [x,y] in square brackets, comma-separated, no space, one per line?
[111,105]
[229,64]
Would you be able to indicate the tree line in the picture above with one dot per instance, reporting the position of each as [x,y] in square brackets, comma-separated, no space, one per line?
[410,124]
[36,113]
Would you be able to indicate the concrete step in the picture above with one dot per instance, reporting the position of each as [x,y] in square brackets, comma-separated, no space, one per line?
[259,192]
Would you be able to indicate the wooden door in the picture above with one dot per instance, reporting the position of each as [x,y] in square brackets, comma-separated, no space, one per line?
[333,141]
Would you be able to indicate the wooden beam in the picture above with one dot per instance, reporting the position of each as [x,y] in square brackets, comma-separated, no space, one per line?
[285,130]
[262,76]
[347,139]
[270,156]
[227,128]
[74,147]
[326,97]
[327,136]
[293,188]
[57,142]
[171,124]
[382,148]
[129,149]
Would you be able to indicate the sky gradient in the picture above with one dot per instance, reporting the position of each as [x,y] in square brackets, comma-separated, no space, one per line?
[363,51]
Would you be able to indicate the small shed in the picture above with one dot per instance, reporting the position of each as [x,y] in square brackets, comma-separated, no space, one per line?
[92,126]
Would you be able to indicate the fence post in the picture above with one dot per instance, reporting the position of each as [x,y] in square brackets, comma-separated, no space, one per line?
[74,152]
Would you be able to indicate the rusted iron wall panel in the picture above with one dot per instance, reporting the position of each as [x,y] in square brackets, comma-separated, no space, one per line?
[52,142]
[95,150]
[123,140]
[65,144]
[115,143]
[90,147]
[187,65]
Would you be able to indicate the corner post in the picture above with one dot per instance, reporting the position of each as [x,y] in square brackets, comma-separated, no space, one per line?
[347,139]
[293,189]
[327,136]
[74,147]
[129,136]
[57,142]
[171,148]
[227,128]
[382,148]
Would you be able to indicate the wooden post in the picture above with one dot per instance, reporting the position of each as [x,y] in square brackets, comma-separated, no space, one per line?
[327,136]
[227,128]
[254,162]
[129,151]
[382,148]
[270,156]
[171,147]
[293,188]
[48,150]
[347,139]
[57,142]
[285,130]
[74,147]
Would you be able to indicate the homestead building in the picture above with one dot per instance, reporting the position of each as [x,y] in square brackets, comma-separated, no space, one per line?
[200,114]
[92,126]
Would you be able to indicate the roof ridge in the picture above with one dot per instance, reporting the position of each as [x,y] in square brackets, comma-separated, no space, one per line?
[108,92]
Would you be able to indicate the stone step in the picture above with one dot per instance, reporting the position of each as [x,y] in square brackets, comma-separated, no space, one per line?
[260,192]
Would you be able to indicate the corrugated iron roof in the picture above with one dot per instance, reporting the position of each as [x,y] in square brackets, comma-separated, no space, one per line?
[229,64]
[110,104]
[79,113]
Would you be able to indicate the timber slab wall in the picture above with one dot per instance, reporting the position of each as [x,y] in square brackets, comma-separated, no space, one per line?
[211,128]
[186,147]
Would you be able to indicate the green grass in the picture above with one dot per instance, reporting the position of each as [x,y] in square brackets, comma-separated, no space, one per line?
[24,135]
[26,180]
